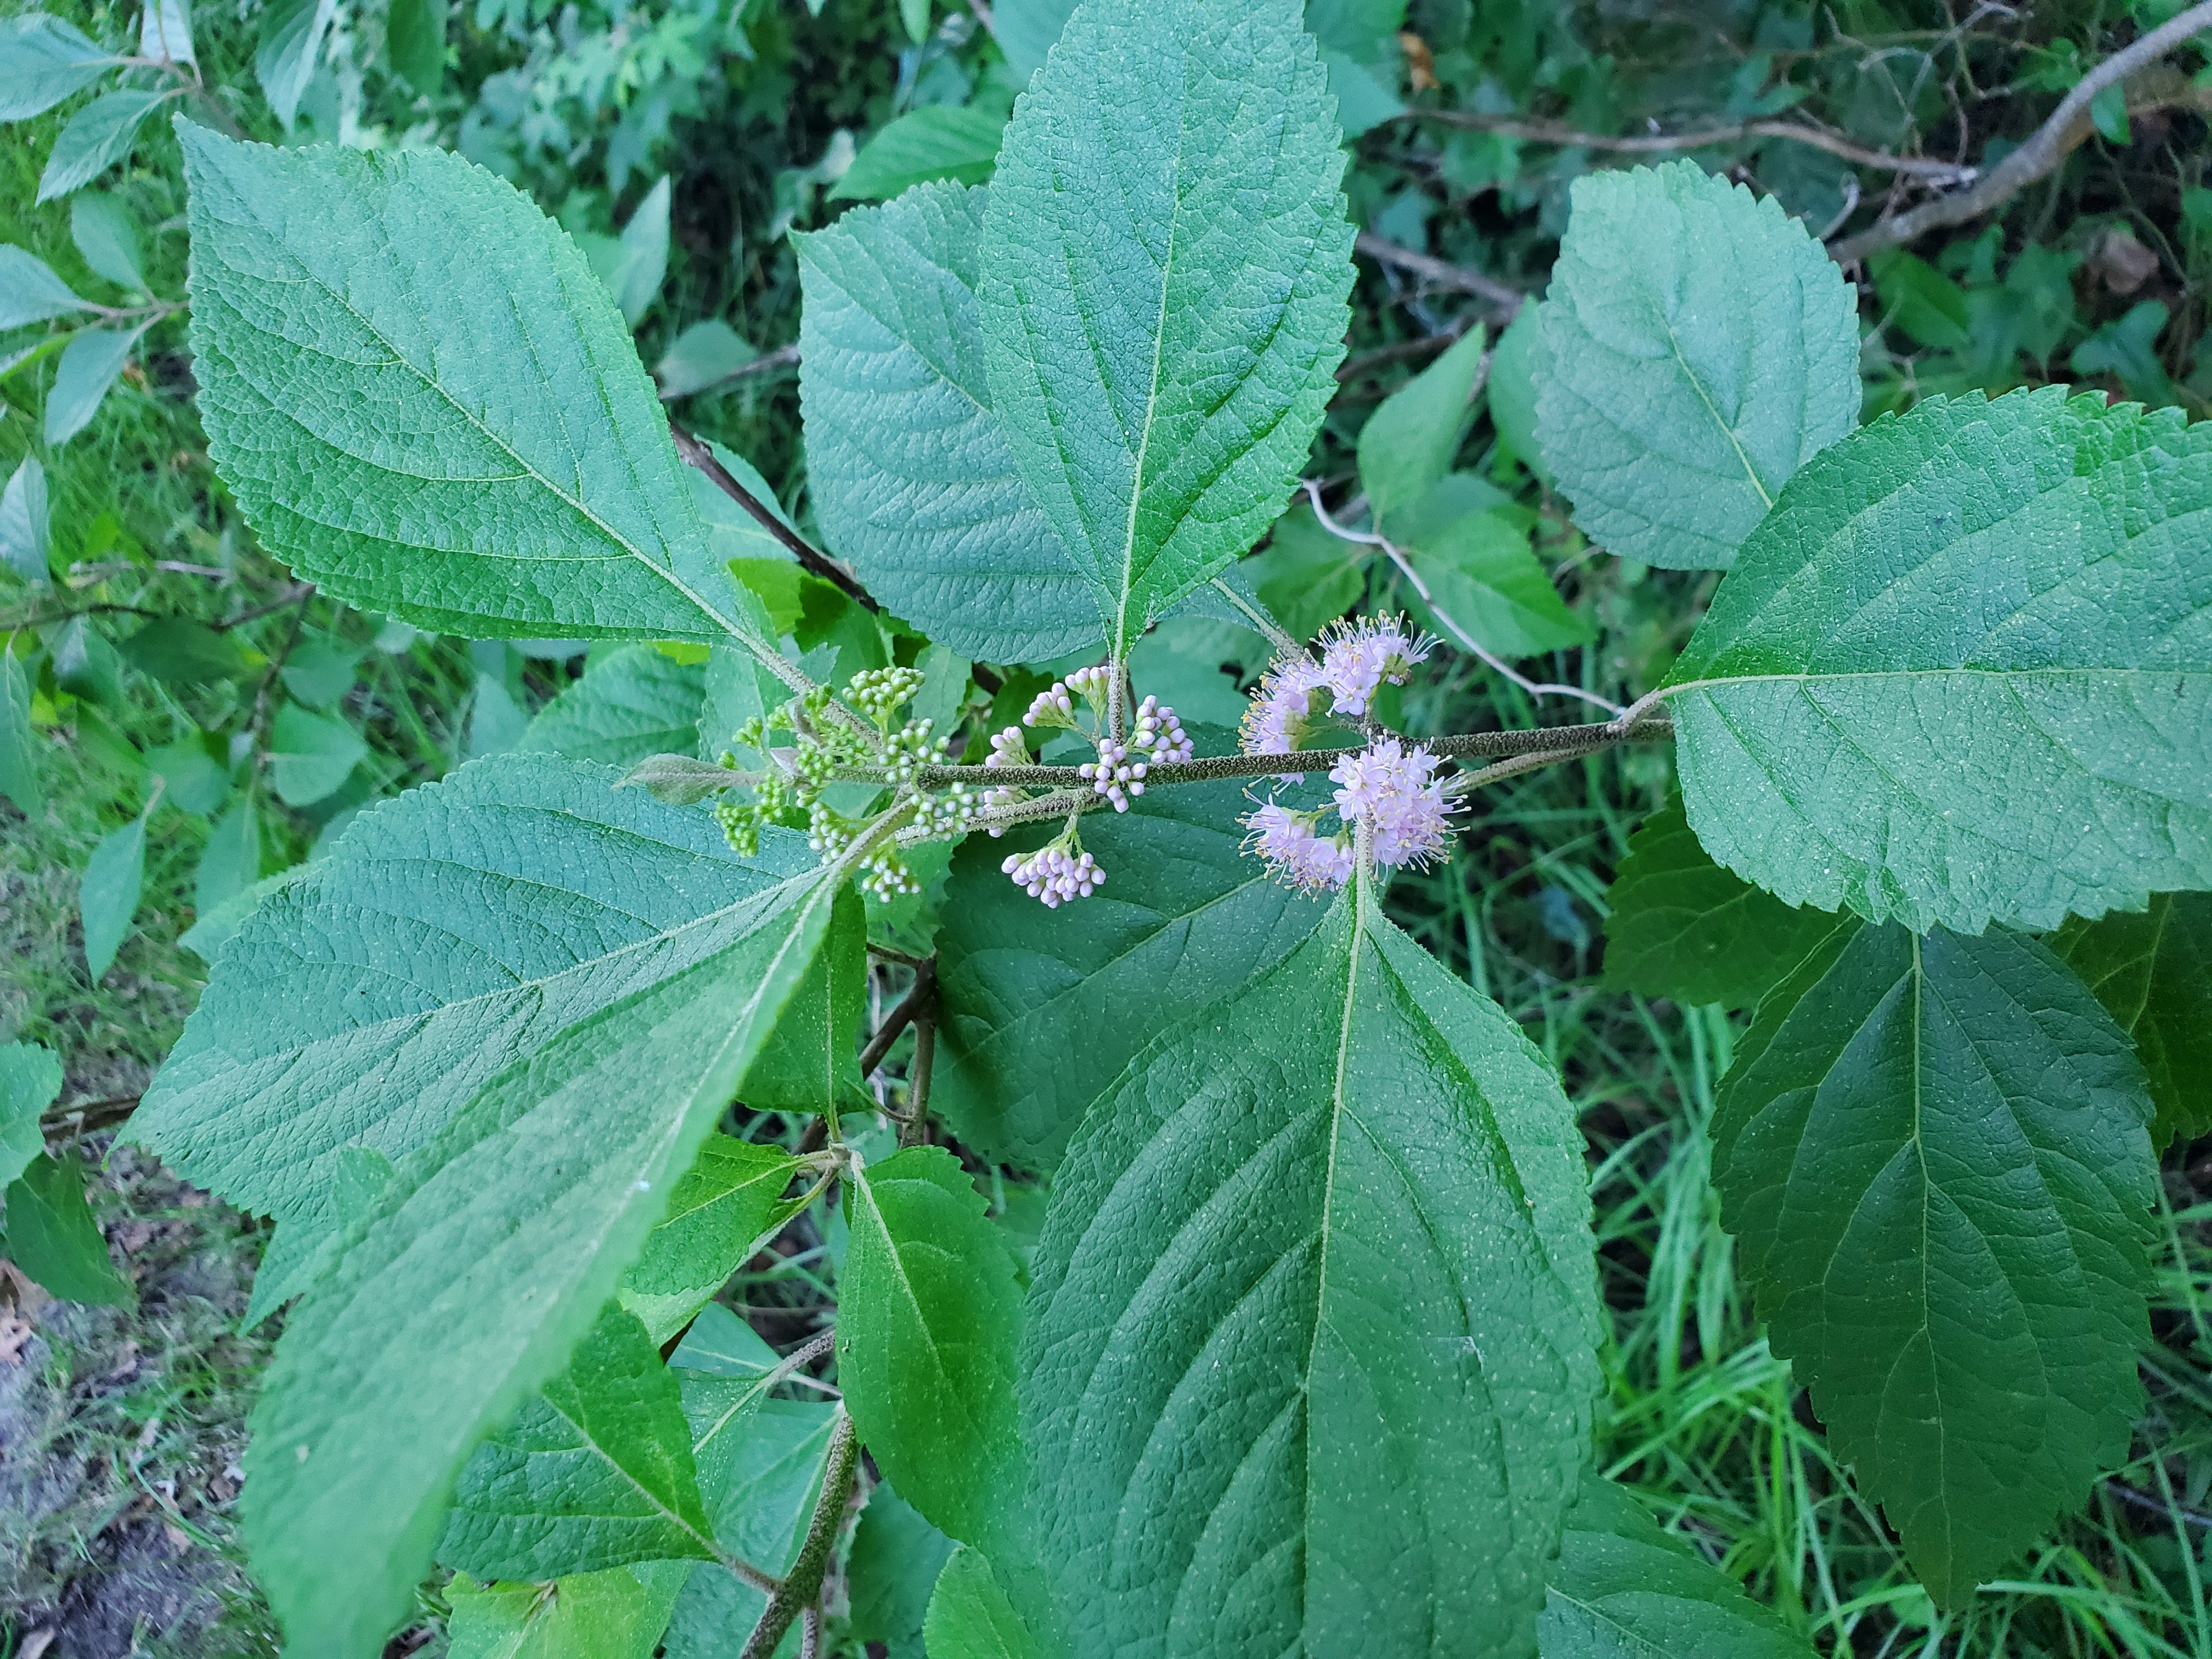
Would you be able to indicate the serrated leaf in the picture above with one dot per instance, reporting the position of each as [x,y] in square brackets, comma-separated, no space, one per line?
[518,1219]
[415,37]
[970,1618]
[304,1248]
[617,1615]
[928,1320]
[2153,972]
[632,703]
[726,1206]
[230,865]
[43,59]
[1683,927]
[26,528]
[290,46]
[1406,447]
[720,1344]
[30,1079]
[1040,1009]
[1932,1152]
[311,756]
[1699,347]
[1482,573]
[1621,1589]
[90,363]
[165,30]
[18,747]
[938,141]
[594,1471]
[636,263]
[52,1237]
[417,480]
[108,895]
[1306,577]
[97,136]
[916,483]
[1963,672]
[1311,1333]
[29,290]
[890,1572]
[346,1012]
[811,1062]
[1166,264]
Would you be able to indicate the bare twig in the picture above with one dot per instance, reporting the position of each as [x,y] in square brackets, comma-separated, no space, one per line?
[1558,132]
[2048,145]
[914,1129]
[291,595]
[88,1114]
[1426,345]
[918,998]
[809,556]
[766,363]
[1504,299]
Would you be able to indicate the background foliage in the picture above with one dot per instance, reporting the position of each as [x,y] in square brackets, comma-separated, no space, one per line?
[196,721]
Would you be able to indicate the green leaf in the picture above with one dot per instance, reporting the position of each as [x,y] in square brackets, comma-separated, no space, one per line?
[720,1344]
[90,363]
[1932,1153]
[320,671]
[107,898]
[192,780]
[43,59]
[637,260]
[1166,262]
[183,653]
[916,482]
[526,486]
[728,1205]
[52,1237]
[1306,577]
[415,36]
[30,1079]
[594,1471]
[165,30]
[2153,971]
[1512,391]
[1699,348]
[516,1221]
[311,756]
[1406,447]
[970,1618]
[19,745]
[617,1615]
[1681,926]
[29,290]
[927,1319]
[1623,1589]
[97,136]
[704,355]
[291,44]
[812,1062]
[938,141]
[25,529]
[85,664]
[678,778]
[1926,306]
[1042,1009]
[2108,110]
[1963,672]
[322,1029]
[229,865]
[890,1572]
[1480,570]
[632,703]
[1025,30]
[2127,347]
[1311,1333]
[305,1247]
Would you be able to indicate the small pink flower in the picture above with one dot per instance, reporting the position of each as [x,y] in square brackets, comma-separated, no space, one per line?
[1281,714]
[1392,790]
[1287,840]
[1358,657]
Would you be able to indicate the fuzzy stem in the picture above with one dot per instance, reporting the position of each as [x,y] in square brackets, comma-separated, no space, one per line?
[802,1585]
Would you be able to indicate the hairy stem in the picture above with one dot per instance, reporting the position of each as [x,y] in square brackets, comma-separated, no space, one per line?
[910,1007]
[802,1585]
[914,1129]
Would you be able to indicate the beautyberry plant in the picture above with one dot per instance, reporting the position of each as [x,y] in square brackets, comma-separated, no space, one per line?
[1305,1359]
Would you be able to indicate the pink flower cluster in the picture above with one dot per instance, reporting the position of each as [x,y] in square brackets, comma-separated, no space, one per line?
[1357,658]
[1054,875]
[1393,790]
[1302,857]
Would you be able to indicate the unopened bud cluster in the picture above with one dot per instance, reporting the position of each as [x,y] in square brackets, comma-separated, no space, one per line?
[1056,873]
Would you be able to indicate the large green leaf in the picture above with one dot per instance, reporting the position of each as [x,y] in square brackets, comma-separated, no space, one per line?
[915,484]
[1042,1009]
[1933,1154]
[1698,348]
[30,1078]
[1406,448]
[1165,263]
[970,1618]
[1623,1589]
[43,59]
[1964,671]
[1310,1347]
[636,700]
[443,935]
[473,446]
[937,141]
[594,1471]
[928,1316]
[718,1215]
[2153,972]
[1683,927]
[510,1228]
